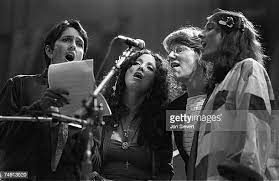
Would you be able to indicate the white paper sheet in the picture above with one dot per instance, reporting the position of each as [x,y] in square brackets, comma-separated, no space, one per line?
[78,79]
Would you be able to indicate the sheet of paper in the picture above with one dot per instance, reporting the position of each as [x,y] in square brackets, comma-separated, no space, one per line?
[78,79]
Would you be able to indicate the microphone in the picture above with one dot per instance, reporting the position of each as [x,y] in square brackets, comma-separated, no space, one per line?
[132,42]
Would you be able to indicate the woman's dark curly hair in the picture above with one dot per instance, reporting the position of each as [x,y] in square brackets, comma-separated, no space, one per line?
[150,111]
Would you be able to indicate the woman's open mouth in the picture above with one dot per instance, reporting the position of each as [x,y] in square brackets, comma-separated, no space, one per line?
[70,56]
[138,75]
[174,64]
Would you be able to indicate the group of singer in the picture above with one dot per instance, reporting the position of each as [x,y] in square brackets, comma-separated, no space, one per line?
[221,71]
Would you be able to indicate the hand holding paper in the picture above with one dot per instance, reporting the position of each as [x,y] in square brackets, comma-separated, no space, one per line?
[77,78]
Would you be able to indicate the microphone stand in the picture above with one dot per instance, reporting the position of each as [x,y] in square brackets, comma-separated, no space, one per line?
[60,117]
[25,118]
[89,115]
[91,112]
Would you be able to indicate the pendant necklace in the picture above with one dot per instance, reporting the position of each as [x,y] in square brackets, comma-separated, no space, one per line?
[126,142]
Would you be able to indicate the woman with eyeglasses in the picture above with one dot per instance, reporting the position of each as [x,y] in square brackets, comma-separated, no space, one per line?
[184,54]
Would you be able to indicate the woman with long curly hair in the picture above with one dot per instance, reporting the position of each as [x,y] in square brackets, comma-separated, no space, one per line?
[234,141]
[135,145]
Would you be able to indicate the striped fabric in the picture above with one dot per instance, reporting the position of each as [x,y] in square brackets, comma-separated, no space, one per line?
[193,108]
[242,136]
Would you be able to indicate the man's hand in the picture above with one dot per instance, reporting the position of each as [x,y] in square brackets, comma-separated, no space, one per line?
[51,97]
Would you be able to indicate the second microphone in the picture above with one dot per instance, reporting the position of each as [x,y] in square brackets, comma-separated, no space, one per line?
[132,42]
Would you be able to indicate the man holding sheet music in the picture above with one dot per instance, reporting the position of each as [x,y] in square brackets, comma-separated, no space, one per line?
[45,150]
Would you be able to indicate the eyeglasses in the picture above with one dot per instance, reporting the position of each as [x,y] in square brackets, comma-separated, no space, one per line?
[180,48]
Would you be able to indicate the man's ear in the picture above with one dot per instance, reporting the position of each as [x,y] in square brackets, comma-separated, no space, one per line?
[49,51]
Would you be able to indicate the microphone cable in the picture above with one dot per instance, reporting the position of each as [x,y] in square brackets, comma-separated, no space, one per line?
[105,58]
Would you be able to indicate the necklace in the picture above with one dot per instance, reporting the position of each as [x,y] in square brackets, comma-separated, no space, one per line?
[126,142]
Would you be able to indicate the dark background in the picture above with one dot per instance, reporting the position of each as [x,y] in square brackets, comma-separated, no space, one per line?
[25,22]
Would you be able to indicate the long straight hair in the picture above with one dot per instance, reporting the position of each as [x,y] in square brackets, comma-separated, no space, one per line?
[240,40]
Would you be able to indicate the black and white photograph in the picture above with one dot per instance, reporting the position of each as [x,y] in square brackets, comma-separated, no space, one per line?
[112,90]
